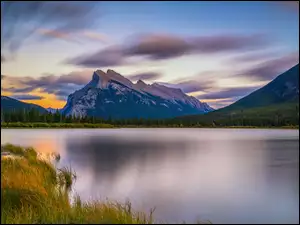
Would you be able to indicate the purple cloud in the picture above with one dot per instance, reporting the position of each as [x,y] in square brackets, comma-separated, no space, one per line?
[18,90]
[228,93]
[194,85]
[76,77]
[103,58]
[226,43]
[145,76]
[57,16]
[252,57]
[58,85]
[190,86]
[268,70]
[27,97]
[159,47]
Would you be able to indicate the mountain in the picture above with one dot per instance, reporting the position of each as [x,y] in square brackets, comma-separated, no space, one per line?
[278,100]
[9,104]
[283,88]
[52,110]
[112,95]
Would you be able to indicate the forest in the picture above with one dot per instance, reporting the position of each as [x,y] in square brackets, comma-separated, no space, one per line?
[286,115]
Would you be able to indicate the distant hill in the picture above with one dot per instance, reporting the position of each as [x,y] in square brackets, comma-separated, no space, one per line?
[276,103]
[284,88]
[9,104]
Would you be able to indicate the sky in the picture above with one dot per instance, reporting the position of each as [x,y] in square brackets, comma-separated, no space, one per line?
[215,51]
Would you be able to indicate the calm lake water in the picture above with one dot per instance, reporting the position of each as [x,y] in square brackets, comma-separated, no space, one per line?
[221,175]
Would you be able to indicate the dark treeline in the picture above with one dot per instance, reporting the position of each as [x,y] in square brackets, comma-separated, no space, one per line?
[242,119]
[35,116]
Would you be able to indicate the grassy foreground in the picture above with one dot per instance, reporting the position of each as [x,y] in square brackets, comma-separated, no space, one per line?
[34,191]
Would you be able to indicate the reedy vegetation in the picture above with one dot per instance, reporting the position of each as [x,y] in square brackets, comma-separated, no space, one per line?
[34,191]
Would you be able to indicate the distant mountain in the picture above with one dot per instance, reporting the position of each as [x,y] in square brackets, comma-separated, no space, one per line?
[9,104]
[279,99]
[112,95]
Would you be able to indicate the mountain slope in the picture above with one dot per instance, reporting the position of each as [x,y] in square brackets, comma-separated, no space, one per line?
[276,102]
[9,104]
[283,88]
[112,95]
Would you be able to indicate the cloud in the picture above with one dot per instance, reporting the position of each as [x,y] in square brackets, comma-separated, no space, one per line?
[62,85]
[162,46]
[57,34]
[252,57]
[95,36]
[190,86]
[23,19]
[145,76]
[228,93]
[228,43]
[76,77]
[104,58]
[75,36]
[158,47]
[27,97]
[18,90]
[3,59]
[203,81]
[268,70]
[194,85]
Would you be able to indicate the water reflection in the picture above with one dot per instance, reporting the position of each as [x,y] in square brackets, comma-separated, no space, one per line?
[226,176]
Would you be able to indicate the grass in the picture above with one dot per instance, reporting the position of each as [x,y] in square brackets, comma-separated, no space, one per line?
[34,191]
[54,125]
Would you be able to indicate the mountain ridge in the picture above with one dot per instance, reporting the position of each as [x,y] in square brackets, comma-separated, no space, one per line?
[146,100]
[285,87]
[8,104]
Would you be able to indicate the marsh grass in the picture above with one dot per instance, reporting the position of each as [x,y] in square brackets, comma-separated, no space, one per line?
[34,191]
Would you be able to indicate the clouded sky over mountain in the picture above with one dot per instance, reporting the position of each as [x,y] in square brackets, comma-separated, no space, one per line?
[216,51]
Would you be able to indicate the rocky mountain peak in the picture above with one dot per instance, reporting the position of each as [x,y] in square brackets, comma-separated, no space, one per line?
[111,94]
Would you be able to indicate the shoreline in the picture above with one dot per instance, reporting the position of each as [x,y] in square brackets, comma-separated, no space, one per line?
[141,127]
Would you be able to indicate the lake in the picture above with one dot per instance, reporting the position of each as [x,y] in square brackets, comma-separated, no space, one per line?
[221,175]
